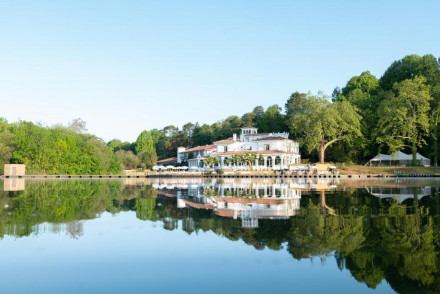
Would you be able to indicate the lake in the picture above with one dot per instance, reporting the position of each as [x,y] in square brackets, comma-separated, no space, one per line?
[220,235]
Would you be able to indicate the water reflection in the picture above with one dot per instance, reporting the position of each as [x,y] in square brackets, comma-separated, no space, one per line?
[400,194]
[13,184]
[385,230]
[245,199]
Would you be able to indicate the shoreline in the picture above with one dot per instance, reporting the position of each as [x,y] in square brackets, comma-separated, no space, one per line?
[170,176]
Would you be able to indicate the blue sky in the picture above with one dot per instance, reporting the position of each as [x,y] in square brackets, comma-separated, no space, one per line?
[126,66]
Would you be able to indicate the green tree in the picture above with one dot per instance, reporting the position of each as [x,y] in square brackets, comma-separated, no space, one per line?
[145,149]
[6,144]
[364,93]
[249,159]
[404,120]
[128,159]
[317,123]
[272,120]
[211,161]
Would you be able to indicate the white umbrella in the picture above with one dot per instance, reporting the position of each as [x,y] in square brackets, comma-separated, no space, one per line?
[184,167]
[156,167]
[169,167]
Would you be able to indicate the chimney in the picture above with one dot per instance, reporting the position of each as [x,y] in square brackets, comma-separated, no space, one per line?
[234,137]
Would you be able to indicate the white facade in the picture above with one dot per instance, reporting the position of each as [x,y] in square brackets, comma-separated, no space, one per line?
[272,151]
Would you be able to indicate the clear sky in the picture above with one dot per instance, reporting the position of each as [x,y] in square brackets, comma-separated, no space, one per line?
[126,66]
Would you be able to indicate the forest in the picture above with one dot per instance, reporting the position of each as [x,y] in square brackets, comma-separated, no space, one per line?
[366,116]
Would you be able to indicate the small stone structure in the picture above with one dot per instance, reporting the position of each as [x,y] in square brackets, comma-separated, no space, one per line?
[15,170]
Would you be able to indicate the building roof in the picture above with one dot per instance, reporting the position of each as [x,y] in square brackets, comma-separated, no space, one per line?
[166,160]
[248,152]
[270,139]
[199,205]
[225,212]
[166,194]
[200,148]
[229,140]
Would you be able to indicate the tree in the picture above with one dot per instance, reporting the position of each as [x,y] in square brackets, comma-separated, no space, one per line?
[6,143]
[78,126]
[211,161]
[145,149]
[318,123]
[364,93]
[128,159]
[249,159]
[404,120]
[429,67]
[272,120]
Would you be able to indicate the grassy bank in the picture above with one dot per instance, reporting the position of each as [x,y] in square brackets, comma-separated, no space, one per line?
[392,170]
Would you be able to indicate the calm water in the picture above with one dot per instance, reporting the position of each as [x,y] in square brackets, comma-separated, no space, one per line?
[218,236]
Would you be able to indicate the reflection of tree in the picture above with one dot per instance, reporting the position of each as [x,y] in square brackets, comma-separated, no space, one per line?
[145,209]
[315,234]
[75,229]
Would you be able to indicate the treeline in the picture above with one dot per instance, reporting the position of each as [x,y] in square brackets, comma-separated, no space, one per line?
[55,150]
[398,111]
[69,150]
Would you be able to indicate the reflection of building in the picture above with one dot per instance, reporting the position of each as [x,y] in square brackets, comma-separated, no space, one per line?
[14,184]
[400,194]
[246,201]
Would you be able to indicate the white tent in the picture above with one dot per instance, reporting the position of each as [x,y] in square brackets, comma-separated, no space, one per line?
[398,158]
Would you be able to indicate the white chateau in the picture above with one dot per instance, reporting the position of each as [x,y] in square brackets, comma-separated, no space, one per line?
[272,151]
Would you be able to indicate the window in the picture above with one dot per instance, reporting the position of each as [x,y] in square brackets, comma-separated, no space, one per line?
[267,147]
[226,148]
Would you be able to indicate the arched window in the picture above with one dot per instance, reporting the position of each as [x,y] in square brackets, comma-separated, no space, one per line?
[269,162]
[277,160]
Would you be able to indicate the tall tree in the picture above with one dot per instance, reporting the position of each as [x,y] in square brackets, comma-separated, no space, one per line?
[272,120]
[6,143]
[318,123]
[364,93]
[429,67]
[145,149]
[404,120]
